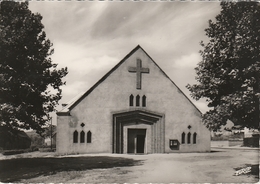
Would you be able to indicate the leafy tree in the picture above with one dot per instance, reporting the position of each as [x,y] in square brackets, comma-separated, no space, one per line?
[228,75]
[29,81]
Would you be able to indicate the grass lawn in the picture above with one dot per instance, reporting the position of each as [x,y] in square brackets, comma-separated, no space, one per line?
[13,170]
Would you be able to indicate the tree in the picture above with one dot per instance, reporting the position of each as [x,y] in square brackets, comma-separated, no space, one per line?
[49,131]
[29,81]
[228,75]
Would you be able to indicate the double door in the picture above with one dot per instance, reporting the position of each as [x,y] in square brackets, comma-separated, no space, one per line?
[136,139]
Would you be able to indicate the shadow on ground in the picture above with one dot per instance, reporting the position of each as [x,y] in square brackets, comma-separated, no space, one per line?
[213,151]
[14,170]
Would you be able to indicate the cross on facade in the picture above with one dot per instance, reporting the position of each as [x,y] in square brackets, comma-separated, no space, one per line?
[138,70]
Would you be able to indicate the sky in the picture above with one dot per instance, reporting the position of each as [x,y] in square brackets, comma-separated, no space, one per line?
[92,37]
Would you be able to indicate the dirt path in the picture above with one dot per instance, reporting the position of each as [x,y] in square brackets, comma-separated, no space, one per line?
[197,167]
[211,167]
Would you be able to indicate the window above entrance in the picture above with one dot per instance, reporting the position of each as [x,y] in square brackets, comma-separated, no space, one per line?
[139,100]
[137,103]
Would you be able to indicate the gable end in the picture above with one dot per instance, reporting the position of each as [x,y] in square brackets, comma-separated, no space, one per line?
[71,106]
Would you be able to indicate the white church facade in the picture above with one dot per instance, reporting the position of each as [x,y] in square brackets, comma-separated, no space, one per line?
[134,108]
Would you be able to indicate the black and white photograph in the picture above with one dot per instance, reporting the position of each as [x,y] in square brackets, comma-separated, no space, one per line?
[120,91]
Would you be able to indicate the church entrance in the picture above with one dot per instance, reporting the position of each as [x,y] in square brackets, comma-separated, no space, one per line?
[136,140]
[140,140]
[138,131]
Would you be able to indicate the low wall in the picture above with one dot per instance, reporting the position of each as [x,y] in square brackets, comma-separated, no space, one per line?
[219,143]
[235,142]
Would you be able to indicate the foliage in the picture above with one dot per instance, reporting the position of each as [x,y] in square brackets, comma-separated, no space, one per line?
[29,81]
[49,131]
[13,139]
[36,139]
[13,152]
[228,75]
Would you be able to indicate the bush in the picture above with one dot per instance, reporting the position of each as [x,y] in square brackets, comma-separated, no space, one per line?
[34,148]
[13,152]
[219,138]
[47,150]
[48,146]
[251,141]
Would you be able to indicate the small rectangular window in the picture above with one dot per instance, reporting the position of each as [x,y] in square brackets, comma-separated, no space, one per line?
[144,101]
[195,138]
[131,100]
[89,135]
[82,136]
[188,138]
[75,136]
[137,103]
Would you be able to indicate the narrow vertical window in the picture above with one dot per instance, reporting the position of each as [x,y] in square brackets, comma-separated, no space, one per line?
[183,138]
[194,138]
[131,100]
[144,101]
[188,138]
[75,136]
[89,134]
[137,100]
[82,136]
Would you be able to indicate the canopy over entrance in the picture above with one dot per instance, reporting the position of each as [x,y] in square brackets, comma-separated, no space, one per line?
[138,131]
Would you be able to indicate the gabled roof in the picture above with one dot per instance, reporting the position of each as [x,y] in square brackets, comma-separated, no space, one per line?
[76,101]
[66,109]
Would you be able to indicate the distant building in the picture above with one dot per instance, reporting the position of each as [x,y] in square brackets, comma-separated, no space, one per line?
[134,108]
[237,135]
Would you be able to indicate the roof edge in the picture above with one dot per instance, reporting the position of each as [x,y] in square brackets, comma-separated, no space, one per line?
[63,113]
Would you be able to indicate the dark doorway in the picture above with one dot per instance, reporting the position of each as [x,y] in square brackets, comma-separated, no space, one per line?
[136,140]
[140,140]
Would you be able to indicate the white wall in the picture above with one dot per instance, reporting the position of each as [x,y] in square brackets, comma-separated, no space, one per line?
[112,95]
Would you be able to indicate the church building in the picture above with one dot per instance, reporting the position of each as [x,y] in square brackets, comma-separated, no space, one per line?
[135,108]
